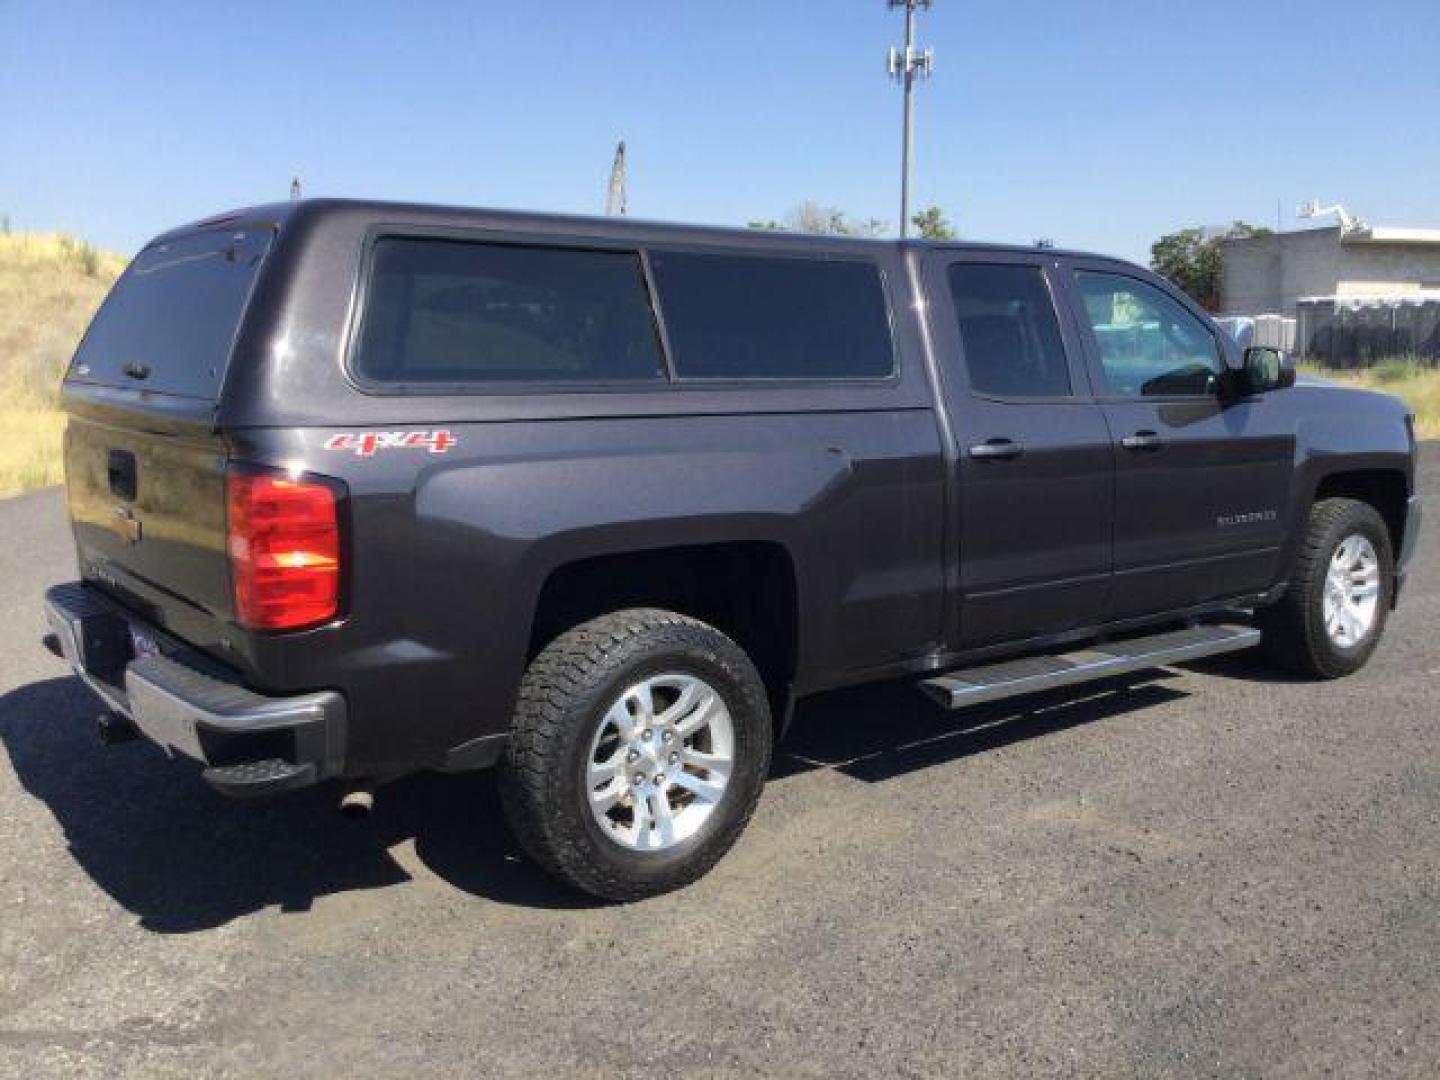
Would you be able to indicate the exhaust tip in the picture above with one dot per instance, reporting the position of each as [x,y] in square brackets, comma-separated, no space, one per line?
[114,729]
[357,804]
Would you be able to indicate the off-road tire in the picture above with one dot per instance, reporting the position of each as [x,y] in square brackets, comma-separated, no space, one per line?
[1294,627]
[562,699]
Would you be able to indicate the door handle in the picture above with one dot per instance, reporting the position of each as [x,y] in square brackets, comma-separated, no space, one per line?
[1142,440]
[996,449]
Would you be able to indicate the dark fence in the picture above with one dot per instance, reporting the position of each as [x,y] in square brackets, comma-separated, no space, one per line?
[1358,333]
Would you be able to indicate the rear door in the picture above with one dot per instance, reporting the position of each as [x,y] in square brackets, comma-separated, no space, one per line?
[1034,476]
[1200,478]
[145,471]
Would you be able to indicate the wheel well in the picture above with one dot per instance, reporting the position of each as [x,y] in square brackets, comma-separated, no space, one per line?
[1383,489]
[745,590]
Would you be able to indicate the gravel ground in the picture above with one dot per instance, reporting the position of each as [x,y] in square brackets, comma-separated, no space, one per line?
[1205,871]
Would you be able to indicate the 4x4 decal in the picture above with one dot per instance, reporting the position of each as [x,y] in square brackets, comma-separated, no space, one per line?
[367,443]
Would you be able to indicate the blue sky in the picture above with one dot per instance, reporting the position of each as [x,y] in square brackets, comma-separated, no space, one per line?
[1099,123]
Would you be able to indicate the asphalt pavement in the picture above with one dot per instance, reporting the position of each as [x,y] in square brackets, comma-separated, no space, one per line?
[1211,870]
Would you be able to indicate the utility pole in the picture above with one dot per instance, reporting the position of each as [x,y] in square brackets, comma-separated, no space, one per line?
[905,67]
[615,196]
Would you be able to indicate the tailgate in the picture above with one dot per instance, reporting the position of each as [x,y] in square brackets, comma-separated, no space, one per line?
[144,466]
[148,511]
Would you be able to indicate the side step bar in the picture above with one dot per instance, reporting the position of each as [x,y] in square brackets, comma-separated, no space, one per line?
[971,686]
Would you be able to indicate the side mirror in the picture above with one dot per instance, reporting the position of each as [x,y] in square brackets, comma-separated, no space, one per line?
[1265,369]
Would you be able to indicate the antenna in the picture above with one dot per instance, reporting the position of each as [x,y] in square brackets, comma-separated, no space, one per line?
[905,67]
[615,196]
[294,188]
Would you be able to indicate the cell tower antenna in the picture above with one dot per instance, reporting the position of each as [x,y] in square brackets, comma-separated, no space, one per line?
[615,197]
[906,66]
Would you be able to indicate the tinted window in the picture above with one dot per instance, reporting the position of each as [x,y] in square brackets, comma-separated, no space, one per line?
[738,317]
[1009,331]
[442,311]
[1149,344]
[170,321]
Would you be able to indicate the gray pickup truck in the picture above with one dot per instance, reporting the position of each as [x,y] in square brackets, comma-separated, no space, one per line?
[360,489]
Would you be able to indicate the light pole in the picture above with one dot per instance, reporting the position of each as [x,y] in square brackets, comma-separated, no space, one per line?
[906,66]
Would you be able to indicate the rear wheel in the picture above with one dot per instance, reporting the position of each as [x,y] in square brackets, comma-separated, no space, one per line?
[639,747]
[1333,613]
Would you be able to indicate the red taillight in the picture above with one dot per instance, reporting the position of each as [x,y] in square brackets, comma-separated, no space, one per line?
[284,538]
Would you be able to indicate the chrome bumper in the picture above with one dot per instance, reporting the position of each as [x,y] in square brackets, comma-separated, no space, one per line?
[253,744]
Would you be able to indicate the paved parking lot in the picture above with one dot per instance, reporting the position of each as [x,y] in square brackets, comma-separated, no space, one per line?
[1204,871]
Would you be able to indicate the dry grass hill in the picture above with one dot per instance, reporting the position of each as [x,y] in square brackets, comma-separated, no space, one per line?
[50,286]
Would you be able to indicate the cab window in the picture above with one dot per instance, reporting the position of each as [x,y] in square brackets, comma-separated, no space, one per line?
[1149,344]
[1008,330]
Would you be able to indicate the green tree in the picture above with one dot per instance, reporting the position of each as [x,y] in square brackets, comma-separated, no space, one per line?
[932,224]
[1243,230]
[1192,259]
[812,217]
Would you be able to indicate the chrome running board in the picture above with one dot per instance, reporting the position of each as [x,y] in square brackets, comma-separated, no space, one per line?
[991,682]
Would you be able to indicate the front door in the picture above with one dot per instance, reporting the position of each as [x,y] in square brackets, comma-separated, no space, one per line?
[1200,476]
[1034,475]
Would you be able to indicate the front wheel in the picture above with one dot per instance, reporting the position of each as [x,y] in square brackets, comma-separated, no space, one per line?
[640,744]
[1333,612]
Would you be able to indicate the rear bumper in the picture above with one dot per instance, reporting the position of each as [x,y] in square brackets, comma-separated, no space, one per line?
[251,744]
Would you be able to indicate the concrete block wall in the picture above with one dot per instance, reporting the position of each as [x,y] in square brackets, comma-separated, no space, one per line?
[1250,278]
[1371,269]
[1270,273]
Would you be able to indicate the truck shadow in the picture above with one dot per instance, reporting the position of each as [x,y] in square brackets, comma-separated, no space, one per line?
[153,836]
[1250,665]
[837,731]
